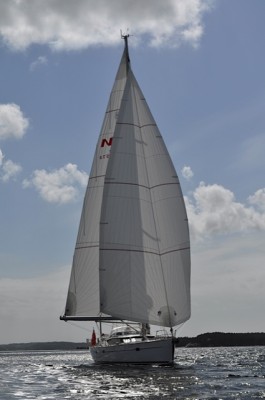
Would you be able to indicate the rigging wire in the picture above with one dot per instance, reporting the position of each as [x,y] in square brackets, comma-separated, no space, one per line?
[79,326]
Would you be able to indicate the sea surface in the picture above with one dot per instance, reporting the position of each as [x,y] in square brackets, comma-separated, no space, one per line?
[199,373]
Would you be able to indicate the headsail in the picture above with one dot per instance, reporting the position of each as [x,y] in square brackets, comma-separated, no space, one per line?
[144,238]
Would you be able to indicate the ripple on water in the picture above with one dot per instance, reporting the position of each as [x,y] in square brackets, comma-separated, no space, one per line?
[212,373]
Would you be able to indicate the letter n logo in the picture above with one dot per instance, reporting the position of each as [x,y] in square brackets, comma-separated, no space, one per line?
[106,142]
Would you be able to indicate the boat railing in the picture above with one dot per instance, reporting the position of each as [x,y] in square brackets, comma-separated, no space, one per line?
[162,333]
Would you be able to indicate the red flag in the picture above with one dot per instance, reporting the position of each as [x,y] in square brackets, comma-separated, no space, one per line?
[93,338]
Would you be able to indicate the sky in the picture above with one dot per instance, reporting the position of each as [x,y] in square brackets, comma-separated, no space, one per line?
[200,65]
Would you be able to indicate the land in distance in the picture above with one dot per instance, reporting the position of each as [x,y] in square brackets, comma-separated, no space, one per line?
[215,339]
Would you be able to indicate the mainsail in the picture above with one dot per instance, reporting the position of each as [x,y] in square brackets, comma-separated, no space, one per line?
[132,257]
[83,292]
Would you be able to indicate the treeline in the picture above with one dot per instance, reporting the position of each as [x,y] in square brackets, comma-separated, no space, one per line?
[42,346]
[215,339]
[218,339]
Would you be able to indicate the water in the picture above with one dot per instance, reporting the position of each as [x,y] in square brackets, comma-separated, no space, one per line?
[199,373]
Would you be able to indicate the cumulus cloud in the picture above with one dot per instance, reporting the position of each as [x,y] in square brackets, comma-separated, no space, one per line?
[78,24]
[1,158]
[258,199]
[187,172]
[58,186]
[13,124]
[8,169]
[212,210]
[41,60]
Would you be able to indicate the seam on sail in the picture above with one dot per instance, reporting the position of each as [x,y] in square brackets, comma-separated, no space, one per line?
[112,110]
[144,186]
[138,126]
[148,251]
[96,176]
[85,246]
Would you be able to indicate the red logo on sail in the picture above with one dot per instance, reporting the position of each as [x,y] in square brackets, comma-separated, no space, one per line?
[106,142]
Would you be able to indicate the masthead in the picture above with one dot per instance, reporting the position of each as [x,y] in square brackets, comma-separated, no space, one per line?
[125,38]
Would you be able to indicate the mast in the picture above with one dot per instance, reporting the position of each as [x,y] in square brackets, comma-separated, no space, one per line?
[125,38]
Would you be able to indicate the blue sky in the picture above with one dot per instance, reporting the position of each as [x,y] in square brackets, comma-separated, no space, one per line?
[201,67]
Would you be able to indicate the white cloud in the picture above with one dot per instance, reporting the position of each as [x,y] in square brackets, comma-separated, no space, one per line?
[58,186]
[41,60]
[78,24]
[1,158]
[13,124]
[193,34]
[8,169]
[258,199]
[212,209]
[187,172]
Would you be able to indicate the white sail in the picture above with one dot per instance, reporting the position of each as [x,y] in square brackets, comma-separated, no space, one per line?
[144,238]
[83,292]
[132,255]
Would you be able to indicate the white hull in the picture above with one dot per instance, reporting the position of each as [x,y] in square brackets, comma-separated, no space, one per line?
[157,351]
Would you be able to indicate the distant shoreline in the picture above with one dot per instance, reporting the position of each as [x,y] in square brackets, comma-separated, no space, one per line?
[220,339]
[215,339]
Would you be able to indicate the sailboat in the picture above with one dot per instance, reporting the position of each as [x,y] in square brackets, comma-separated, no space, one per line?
[131,265]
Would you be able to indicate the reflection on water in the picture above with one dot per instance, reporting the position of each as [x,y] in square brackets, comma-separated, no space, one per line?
[211,373]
